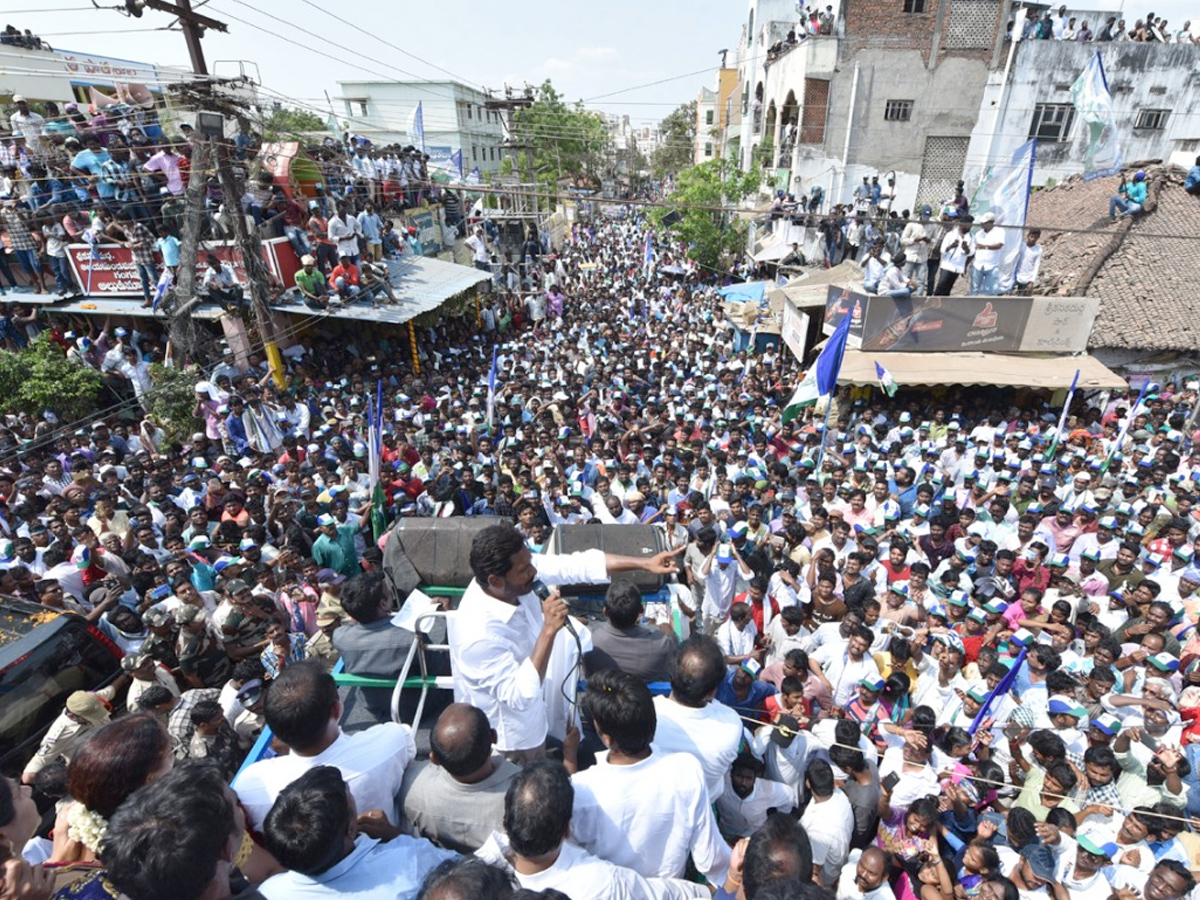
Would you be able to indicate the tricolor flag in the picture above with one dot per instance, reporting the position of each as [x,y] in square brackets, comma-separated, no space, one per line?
[1090,95]
[821,379]
[887,383]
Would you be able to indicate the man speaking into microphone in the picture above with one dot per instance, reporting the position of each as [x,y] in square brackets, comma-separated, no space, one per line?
[502,635]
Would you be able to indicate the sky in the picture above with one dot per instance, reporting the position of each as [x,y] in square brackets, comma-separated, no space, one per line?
[600,49]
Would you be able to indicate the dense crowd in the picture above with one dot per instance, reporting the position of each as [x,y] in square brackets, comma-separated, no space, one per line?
[926,646]
[107,173]
[1059,26]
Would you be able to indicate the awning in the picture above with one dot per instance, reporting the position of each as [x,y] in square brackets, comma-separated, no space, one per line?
[811,287]
[746,292]
[420,284]
[1000,369]
[803,295]
[774,252]
[127,306]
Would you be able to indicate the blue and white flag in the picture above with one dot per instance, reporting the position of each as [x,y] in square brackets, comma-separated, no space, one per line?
[1005,194]
[456,163]
[1090,95]
[491,397]
[419,127]
[475,178]
[887,383]
[821,379]
[1062,419]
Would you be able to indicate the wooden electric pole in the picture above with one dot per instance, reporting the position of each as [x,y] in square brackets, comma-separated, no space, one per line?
[215,151]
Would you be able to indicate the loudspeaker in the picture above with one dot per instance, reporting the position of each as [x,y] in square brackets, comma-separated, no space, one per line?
[621,540]
[431,552]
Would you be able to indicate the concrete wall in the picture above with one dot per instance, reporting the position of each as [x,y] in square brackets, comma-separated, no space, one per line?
[1140,76]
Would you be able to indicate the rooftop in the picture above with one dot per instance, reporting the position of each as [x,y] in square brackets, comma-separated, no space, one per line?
[1146,280]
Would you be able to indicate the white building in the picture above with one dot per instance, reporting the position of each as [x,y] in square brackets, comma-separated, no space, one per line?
[1154,93]
[455,118]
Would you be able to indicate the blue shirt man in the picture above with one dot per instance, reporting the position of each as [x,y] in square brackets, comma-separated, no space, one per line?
[90,162]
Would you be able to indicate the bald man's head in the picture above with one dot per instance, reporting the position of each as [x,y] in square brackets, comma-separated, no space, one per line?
[697,672]
[461,741]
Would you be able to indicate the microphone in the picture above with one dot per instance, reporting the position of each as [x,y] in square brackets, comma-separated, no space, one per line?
[542,592]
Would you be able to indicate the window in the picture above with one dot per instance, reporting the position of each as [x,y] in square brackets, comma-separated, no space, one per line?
[468,110]
[493,154]
[362,107]
[914,6]
[1189,146]
[708,149]
[813,113]
[1152,119]
[474,153]
[898,111]
[1052,122]
[708,117]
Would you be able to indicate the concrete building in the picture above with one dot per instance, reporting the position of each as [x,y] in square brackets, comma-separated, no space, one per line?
[714,112]
[896,89]
[453,114]
[67,76]
[1155,97]
[932,91]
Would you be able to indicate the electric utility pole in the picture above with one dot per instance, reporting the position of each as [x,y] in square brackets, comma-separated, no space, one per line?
[212,148]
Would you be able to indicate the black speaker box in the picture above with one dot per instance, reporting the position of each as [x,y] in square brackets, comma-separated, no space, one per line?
[431,552]
[621,540]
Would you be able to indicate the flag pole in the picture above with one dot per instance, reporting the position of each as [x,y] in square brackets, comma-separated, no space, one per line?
[1062,419]
[1125,428]
[824,434]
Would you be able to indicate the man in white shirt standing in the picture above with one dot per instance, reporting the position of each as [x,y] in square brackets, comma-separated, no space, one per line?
[957,249]
[478,248]
[501,636]
[829,821]
[985,267]
[1029,263]
[842,672]
[691,721]
[639,807]
[29,125]
[303,710]
[344,231]
[916,241]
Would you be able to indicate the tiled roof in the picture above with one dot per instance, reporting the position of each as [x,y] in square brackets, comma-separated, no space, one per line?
[1147,282]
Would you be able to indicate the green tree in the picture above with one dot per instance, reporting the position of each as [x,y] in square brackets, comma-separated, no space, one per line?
[285,124]
[677,140]
[173,401]
[41,379]
[698,209]
[566,140]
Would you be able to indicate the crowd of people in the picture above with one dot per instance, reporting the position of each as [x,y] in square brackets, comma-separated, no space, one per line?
[921,647]
[1060,26]
[108,174]
[903,255]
